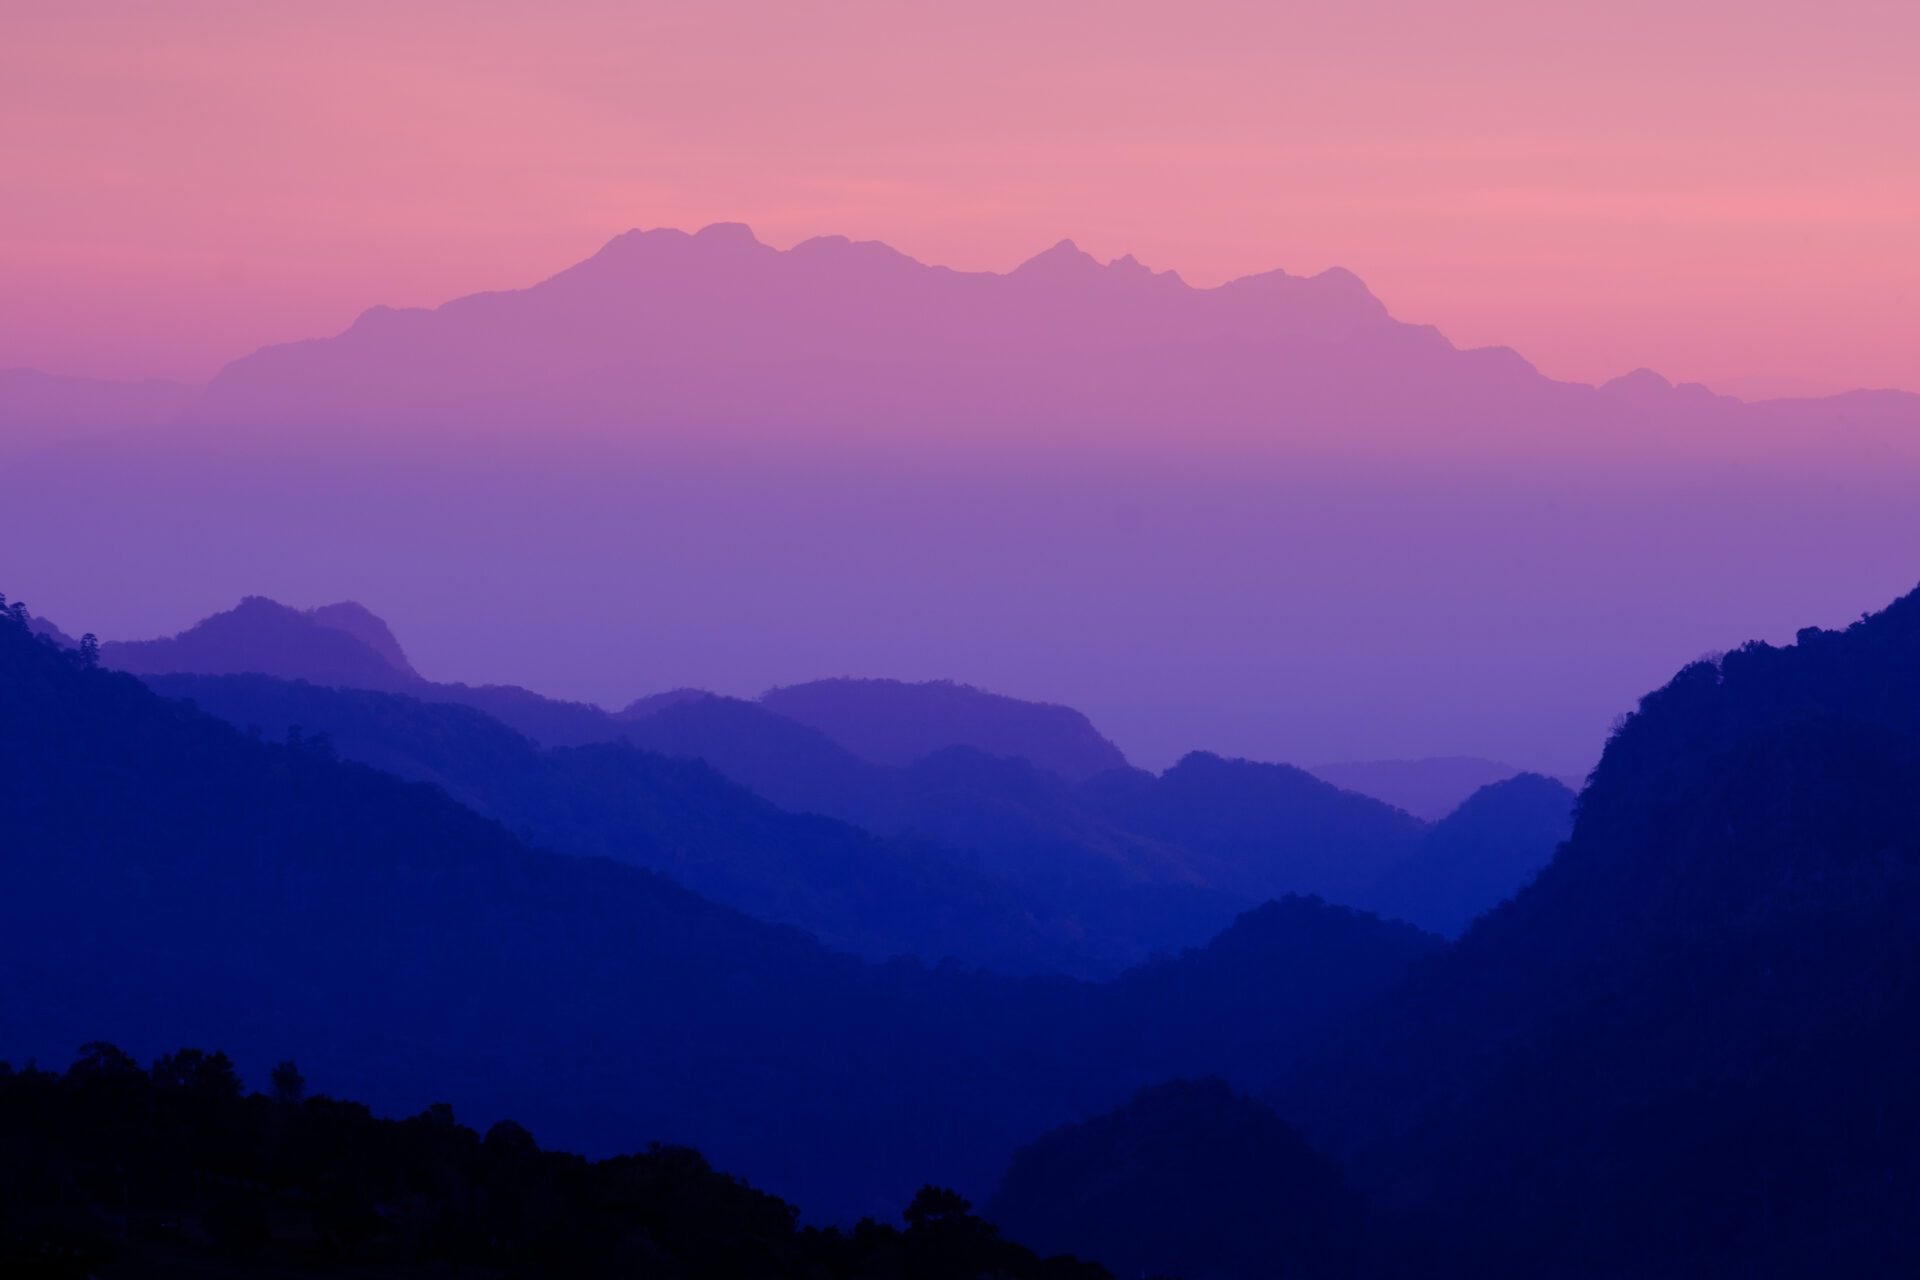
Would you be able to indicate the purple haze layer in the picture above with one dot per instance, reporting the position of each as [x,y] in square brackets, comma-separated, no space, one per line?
[1264,518]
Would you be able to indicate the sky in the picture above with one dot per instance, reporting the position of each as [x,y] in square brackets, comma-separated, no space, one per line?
[1726,192]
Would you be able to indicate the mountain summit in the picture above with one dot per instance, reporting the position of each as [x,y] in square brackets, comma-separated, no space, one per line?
[896,723]
[663,327]
[666,336]
[338,644]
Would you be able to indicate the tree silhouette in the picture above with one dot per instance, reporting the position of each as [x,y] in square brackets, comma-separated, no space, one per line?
[100,1059]
[209,1074]
[311,1186]
[289,1086]
[932,1205]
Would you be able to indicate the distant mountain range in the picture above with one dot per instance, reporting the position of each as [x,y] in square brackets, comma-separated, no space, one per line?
[662,329]
[677,338]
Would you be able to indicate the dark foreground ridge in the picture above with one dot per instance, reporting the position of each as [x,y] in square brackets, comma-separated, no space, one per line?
[1688,1047]
[1188,1178]
[112,1171]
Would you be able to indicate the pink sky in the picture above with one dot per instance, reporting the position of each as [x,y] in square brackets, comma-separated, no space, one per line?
[1716,190]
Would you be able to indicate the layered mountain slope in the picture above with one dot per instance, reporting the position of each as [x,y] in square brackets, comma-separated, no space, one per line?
[365,626]
[1207,1013]
[1429,789]
[983,859]
[676,816]
[342,645]
[1686,1048]
[264,636]
[1104,874]
[796,767]
[1478,856]
[1015,819]
[1093,897]
[1263,829]
[894,722]
[166,879]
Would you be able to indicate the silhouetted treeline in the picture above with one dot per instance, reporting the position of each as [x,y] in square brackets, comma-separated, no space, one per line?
[107,1169]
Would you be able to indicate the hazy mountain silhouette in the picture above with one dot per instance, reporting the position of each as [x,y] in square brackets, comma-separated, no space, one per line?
[363,625]
[718,331]
[41,627]
[894,722]
[1687,1047]
[1429,789]
[40,409]
[1124,891]
[343,645]
[855,330]
[1187,1179]
[640,708]
[1478,856]
[1034,823]
[267,638]
[1029,828]
[796,767]
[1263,829]
[173,879]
